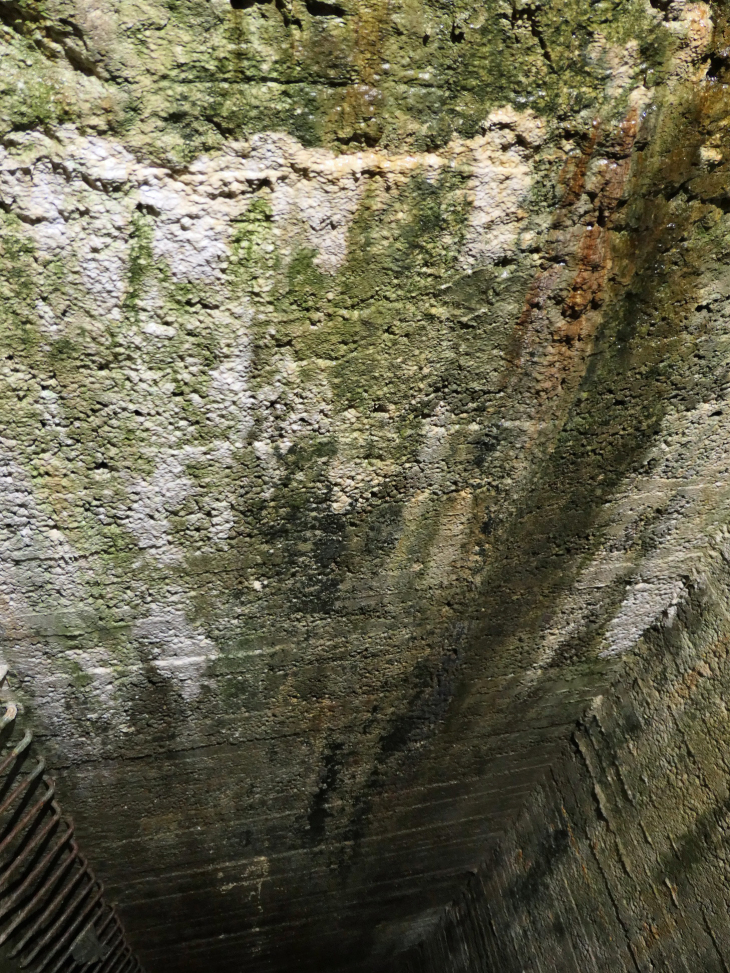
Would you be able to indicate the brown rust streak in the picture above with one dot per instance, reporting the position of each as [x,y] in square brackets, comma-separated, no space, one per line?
[551,346]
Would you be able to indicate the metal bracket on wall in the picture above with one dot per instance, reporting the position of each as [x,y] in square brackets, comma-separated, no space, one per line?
[53,917]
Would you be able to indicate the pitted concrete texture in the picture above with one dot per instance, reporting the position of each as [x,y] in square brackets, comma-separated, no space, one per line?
[363,381]
[618,861]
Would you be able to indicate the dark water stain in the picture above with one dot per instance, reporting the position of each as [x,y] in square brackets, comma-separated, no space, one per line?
[319,811]
[636,371]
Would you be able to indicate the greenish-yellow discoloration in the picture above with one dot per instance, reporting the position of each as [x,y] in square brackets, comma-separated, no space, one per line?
[332,339]
[389,74]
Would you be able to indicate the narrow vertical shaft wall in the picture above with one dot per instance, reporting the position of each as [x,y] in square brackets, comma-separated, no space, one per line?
[620,861]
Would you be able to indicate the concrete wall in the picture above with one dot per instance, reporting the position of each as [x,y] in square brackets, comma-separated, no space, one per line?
[620,859]
[363,389]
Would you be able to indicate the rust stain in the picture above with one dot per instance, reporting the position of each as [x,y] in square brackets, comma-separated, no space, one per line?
[550,346]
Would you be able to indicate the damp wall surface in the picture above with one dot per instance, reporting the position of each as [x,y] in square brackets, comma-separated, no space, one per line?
[363,389]
[619,860]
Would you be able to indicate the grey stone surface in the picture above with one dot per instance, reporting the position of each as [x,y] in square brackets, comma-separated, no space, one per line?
[364,386]
[619,859]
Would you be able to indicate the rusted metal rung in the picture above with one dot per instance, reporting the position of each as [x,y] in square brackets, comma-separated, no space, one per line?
[113,946]
[121,961]
[23,786]
[115,932]
[111,918]
[55,902]
[11,711]
[21,746]
[53,917]
[16,751]
[73,928]
[92,923]
[30,816]
[129,965]
[120,947]
[115,942]
[36,872]
[60,900]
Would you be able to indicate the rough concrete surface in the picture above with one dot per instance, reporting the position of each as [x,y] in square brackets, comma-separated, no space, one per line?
[619,859]
[364,391]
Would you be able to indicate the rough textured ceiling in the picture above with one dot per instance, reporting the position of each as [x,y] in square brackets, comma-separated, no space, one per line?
[350,359]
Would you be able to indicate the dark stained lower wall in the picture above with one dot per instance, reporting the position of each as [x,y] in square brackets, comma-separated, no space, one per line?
[621,859]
